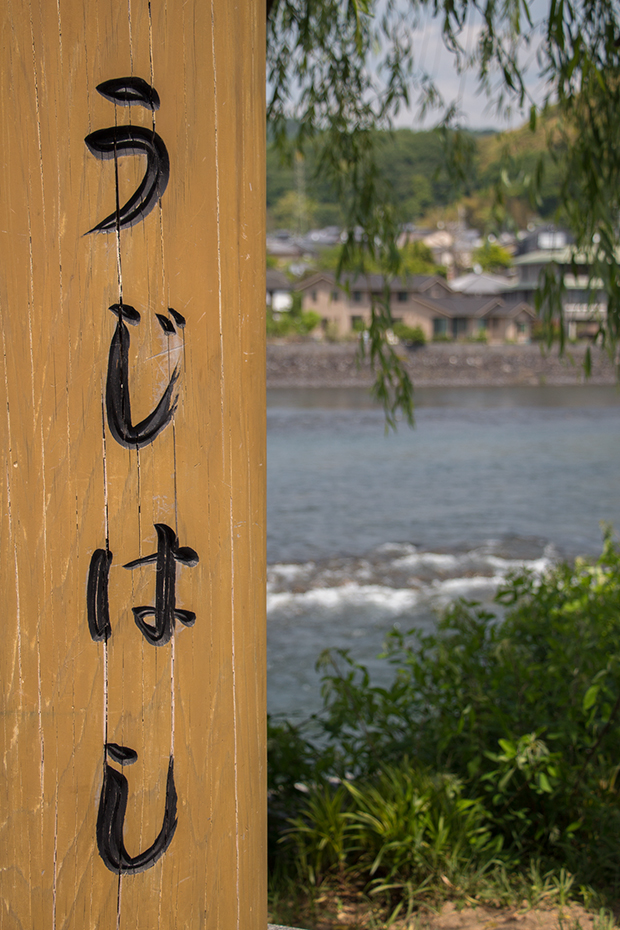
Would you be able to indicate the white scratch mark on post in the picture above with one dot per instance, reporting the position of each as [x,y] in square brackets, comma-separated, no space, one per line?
[59,38]
[151,45]
[130,36]
[172,707]
[106,507]
[10,514]
[37,110]
[176,530]
[138,494]
[35,413]
[106,517]
[87,71]
[64,312]
[234,683]
[106,512]
[41,737]
[118,900]
[43,525]
[174,474]
[105,698]
[13,543]
[222,382]
[20,686]
[55,875]
[119,259]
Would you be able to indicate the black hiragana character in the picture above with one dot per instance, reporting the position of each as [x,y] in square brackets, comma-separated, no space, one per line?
[116,141]
[97,605]
[126,91]
[111,817]
[165,611]
[118,403]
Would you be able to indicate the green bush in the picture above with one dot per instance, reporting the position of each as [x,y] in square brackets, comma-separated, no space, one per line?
[491,256]
[407,823]
[281,325]
[480,335]
[307,322]
[517,707]
[409,335]
[278,325]
[402,828]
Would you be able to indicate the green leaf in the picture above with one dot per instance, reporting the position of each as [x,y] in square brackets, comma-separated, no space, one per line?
[590,696]
[543,783]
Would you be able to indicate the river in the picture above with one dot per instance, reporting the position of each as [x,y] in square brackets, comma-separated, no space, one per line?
[367,530]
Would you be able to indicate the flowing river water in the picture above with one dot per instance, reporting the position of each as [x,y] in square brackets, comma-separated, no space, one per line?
[367,531]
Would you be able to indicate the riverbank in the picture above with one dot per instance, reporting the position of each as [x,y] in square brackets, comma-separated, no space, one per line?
[336,365]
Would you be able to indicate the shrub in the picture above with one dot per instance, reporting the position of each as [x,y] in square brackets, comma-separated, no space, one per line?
[517,707]
[307,322]
[404,826]
[480,335]
[407,823]
[409,335]
[281,325]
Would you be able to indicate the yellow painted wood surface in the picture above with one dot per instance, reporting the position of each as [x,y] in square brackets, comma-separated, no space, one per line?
[66,483]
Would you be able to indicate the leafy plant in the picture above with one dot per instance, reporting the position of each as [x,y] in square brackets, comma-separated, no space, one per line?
[281,325]
[410,335]
[320,834]
[402,827]
[480,336]
[513,718]
[491,256]
[409,823]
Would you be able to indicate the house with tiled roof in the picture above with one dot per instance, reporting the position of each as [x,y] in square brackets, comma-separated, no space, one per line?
[584,302]
[426,301]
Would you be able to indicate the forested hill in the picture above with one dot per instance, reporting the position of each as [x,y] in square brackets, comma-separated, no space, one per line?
[414,163]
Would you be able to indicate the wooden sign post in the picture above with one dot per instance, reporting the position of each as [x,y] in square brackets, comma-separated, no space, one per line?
[132,468]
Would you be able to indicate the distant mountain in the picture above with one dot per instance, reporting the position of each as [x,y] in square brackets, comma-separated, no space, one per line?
[414,165]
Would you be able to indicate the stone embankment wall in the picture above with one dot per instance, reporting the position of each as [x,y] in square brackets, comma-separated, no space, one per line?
[311,364]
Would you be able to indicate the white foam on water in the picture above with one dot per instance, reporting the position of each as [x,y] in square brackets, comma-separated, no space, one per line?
[475,574]
[435,560]
[444,592]
[538,566]
[289,572]
[483,559]
[455,585]
[392,547]
[388,600]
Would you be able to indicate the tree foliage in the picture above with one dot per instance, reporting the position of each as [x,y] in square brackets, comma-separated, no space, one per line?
[412,164]
[342,68]
[325,76]
[585,53]
[491,256]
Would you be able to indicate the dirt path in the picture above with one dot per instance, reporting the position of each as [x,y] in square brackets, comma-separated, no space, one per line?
[573,917]
[454,917]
